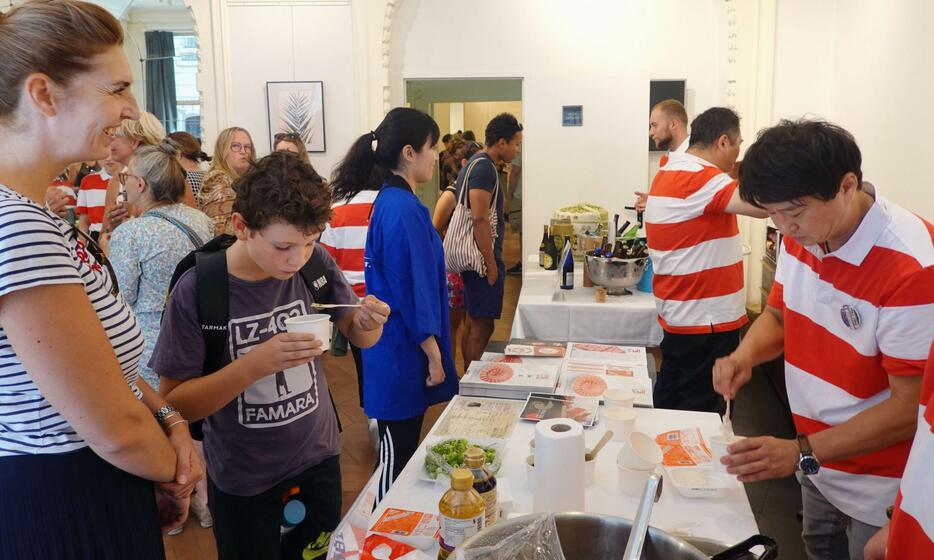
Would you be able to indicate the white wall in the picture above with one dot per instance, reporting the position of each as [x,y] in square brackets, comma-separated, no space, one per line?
[293,43]
[599,55]
[866,66]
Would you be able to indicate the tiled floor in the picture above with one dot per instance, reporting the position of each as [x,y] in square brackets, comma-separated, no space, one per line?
[758,411]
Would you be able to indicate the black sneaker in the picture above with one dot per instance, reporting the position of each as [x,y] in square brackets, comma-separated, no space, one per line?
[515,271]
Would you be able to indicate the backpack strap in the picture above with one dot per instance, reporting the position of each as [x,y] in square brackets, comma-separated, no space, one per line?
[213,291]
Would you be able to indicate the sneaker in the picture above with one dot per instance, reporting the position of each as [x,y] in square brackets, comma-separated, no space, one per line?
[203,514]
[515,271]
[176,530]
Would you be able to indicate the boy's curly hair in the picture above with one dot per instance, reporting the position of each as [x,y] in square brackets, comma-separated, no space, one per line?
[282,188]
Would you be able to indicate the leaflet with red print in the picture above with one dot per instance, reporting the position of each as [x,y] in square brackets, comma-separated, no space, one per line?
[530,360]
[608,353]
[588,378]
[504,380]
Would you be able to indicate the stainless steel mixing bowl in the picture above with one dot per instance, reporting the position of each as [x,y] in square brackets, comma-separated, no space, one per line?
[616,275]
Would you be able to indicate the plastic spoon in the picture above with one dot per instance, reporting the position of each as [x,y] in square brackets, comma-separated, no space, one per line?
[640,525]
[727,421]
[590,455]
[333,305]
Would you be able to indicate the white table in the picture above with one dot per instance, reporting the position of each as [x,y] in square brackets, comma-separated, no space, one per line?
[545,312]
[727,519]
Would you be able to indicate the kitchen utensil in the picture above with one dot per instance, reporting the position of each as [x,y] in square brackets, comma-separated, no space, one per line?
[592,454]
[640,525]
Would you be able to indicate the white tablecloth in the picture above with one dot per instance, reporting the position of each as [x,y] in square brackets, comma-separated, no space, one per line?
[545,312]
[728,519]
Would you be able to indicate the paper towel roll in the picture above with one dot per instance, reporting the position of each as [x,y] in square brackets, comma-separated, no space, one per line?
[559,466]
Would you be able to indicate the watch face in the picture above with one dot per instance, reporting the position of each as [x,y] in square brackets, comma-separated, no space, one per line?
[809,465]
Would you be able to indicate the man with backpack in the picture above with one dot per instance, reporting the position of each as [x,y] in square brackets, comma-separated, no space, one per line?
[271,432]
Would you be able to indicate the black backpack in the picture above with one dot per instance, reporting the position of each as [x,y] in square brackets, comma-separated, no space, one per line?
[213,290]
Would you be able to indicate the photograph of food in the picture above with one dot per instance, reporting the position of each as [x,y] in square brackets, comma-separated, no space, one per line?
[496,373]
[543,406]
[620,371]
[588,386]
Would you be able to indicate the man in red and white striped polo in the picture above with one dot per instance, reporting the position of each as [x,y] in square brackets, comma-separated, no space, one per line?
[852,307]
[911,531]
[693,237]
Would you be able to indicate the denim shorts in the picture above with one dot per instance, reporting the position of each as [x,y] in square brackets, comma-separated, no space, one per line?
[482,300]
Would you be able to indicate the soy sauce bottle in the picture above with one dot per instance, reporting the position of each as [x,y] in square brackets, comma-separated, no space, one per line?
[483,482]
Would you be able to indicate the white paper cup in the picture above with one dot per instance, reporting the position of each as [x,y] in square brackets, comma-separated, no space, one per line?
[640,452]
[718,445]
[632,481]
[318,324]
[622,421]
[590,470]
[619,398]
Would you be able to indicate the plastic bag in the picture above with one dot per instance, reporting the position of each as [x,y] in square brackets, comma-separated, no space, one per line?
[442,457]
[538,540]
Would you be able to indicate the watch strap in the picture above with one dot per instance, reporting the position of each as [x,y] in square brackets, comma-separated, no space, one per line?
[804,445]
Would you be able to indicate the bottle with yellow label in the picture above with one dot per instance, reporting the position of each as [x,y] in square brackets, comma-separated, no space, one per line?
[462,512]
[483,482]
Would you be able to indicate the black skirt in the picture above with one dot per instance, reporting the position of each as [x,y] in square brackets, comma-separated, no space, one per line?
[75,506]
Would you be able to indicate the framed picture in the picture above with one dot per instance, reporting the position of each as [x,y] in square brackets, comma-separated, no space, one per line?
[297,108]
[572,115]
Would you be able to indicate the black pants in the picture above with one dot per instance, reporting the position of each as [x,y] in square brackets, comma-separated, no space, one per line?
[398,441]
[358,362]
[248,527]
[77,506]
[685,381]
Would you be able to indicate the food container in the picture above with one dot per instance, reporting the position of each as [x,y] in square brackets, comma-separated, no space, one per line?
[696,482]
[616,275]
[592,536]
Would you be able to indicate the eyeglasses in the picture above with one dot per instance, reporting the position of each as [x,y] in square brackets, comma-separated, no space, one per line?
[122,177]
[238,147]
[98,253]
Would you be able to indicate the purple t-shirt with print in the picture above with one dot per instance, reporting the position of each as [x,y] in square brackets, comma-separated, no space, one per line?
[282,424]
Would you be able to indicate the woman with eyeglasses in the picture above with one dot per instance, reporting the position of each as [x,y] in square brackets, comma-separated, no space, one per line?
[81,444]
[233,154]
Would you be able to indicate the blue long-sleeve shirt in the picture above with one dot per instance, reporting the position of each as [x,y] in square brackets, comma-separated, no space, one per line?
[404,266]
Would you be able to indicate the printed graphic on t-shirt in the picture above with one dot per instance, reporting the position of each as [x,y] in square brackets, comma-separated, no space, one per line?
[281,398]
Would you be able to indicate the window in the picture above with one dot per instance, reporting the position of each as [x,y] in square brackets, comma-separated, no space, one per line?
[188,100]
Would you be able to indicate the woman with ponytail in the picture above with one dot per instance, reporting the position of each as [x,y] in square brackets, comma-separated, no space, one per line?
[411,367]
[190,155]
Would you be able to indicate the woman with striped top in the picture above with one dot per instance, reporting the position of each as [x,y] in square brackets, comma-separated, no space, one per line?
[79,444]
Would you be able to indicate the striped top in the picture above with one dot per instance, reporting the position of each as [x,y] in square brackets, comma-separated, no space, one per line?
[345,236]
[695,247]
[92,198]
[912,529]
[683,147]
[852,318]
[36,249]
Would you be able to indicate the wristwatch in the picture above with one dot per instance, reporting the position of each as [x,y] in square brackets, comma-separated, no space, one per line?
[808,464]
[164,412]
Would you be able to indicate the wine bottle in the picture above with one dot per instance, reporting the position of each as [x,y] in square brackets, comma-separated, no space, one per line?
[567,265]
[551,254]
[541,248]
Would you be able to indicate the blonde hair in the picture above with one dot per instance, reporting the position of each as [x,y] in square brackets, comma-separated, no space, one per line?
[673,109]
[147,130]
[53,38]
[224,140]
[160,167]
[296,141]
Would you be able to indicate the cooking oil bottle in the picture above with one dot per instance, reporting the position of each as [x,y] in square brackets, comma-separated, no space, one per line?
[462,512]
[483,482]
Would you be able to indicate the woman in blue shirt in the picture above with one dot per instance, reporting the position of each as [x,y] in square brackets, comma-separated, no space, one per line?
[411,367]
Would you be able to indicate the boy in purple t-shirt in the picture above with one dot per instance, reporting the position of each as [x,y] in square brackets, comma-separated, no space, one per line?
[269,421]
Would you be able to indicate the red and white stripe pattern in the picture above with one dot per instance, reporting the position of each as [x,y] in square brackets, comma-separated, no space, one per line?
[345,237]
[695,248]
[835,370]
[911,534]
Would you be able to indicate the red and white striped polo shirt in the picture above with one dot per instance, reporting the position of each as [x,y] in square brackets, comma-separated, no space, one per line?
[852,318]
[695,248]
[92,195]
[345,236]
[911,534]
